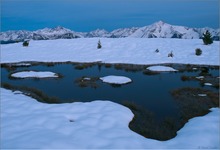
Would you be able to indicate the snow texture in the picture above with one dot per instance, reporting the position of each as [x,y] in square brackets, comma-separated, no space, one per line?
[28,124]
[116,79]
[123,50]
[161,68]
[34,74]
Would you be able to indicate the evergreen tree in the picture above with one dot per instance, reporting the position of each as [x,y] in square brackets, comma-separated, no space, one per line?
[26,43]
[207,38]
[99,45]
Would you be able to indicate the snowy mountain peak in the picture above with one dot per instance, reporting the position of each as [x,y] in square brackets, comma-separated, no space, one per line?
[56,30]
[60,28]
[98,33]
[158,29]
[159,23]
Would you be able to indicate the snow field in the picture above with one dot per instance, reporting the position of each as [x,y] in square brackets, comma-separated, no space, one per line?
[27,124]
[120,50]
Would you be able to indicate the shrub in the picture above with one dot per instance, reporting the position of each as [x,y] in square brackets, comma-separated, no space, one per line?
[207,38]
[99,45]
[171,54]
[25,43]
[198,51]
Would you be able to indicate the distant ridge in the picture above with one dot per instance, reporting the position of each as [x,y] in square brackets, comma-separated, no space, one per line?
[159,29]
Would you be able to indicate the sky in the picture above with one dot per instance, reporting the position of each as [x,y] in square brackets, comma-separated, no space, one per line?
[88,15]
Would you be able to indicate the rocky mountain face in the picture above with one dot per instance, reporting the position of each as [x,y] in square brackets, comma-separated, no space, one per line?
[157,30]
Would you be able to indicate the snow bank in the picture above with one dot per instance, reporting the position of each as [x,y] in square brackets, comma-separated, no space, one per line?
[200,77]
[202,95]
[161,68]
[116,79]
[114,50]
[21,64]
[28,124]
[34,74]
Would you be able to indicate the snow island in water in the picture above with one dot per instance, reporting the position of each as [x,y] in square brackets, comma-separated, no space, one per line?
[116,79]
[34,74]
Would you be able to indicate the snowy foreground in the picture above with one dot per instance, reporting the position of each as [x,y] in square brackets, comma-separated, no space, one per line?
[26,123]
[118,50]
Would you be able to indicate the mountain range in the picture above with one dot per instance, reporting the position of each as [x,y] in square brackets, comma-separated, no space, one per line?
[159,29]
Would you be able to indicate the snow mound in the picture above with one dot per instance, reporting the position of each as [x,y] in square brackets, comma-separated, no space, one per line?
[34,74]
[116,79]
[161,68]
[28,124]
[202,95]
[208,84]
[200,77]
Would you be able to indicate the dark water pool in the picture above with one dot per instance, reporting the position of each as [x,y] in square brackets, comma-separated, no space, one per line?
[149,91]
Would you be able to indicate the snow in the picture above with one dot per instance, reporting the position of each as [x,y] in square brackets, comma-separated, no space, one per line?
[114,50]
[22,64]
[200,77]
[202,95]
[58,31]
[112,79]
[208,84]
[86,78]
[161,68]
[158,29]
[28,124]
[34,74]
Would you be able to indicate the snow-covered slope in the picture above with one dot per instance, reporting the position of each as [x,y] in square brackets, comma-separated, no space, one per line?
[42,34]
[54,33]
[163,30]
[157,30]
[114,50]
[123,32]
[98,33]
[13,36]
[28,124]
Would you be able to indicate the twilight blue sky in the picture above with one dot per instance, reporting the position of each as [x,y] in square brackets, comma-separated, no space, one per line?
[87,15]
